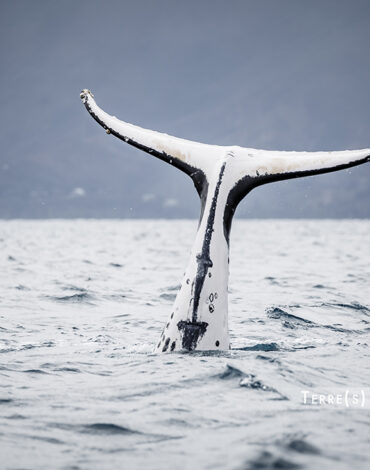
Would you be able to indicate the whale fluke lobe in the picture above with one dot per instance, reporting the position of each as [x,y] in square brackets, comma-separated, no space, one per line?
[182,154]
[222,176]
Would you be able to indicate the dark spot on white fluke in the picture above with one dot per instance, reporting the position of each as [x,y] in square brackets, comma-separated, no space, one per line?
[222,177]
[191,333]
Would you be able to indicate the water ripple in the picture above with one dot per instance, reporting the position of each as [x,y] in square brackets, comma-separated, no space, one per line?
[92,394]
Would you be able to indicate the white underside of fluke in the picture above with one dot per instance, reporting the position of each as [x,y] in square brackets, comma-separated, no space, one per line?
[199,317]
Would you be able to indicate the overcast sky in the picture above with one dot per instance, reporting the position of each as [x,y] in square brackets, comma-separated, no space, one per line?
[274,74]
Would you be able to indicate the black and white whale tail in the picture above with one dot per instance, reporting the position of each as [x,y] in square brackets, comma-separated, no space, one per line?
[223,176]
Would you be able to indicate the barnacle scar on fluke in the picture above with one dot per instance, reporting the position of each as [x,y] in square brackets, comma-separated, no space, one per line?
[222,176]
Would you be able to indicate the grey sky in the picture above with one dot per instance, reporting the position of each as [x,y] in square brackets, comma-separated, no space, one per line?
[275,74]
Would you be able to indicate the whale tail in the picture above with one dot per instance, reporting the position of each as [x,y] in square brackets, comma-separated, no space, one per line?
[255,167]
[222,176]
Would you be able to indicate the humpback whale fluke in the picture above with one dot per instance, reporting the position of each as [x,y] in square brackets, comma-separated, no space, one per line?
[222,176]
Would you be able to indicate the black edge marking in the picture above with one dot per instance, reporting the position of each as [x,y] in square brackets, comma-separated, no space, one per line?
[203,259]
[165,347]
[299,174]
[237,193]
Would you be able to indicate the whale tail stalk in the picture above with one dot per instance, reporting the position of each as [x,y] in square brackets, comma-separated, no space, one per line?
[222,176]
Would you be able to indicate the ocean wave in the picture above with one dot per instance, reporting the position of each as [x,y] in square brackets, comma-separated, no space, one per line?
[290,320]
[268,461]
[259,347]
[107,429]
[82,297]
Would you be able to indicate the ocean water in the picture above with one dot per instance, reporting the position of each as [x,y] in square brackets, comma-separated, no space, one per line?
[84,301]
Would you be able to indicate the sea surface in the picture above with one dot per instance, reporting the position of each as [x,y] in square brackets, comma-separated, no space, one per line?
[82,303]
